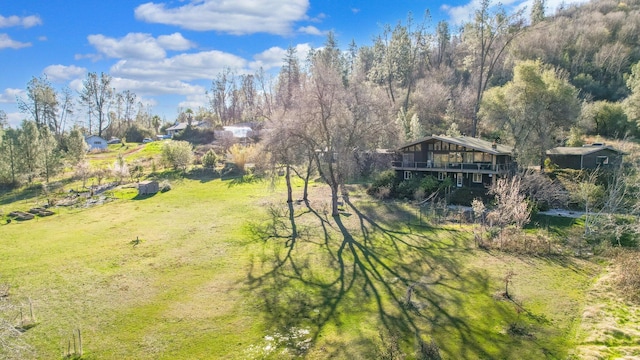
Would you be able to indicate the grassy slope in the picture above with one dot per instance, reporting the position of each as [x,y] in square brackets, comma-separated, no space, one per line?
[215,277]
[610,326]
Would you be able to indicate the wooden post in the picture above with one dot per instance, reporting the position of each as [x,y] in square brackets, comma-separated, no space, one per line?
[80,342]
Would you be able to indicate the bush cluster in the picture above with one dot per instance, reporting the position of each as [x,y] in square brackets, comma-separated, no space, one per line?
[387,184]
[137,133]
[195,135]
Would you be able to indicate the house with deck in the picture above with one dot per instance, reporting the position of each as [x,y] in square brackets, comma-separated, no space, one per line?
[467,161]
[590,156]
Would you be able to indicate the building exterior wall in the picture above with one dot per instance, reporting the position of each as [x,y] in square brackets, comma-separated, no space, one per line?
[598,158]
[566,161]
[603,158]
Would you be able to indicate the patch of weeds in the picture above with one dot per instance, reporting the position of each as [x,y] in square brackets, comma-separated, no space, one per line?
[164,186]
[388,347]
[292,343]
[518,329]
[428,350]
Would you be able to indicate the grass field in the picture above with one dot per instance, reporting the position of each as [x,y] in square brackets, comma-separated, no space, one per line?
[219,269]
[210,270]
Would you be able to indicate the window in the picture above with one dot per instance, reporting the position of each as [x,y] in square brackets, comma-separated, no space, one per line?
[408,175]
[442,175]
[455,157]
[477,178]
[440,159]
[602,160]
[437,145]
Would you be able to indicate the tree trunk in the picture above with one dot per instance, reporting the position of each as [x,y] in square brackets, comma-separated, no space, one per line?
[334,201]
[305,194]
[288,179]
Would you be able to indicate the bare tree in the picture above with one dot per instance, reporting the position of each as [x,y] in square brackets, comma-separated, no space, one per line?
[488,37]
[66,109]
[41,103]
[542,190]
[511,207]
[97,96]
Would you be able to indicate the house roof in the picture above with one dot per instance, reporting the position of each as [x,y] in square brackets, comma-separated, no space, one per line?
[183,125]
[93,136]
[581,151]
[468,142]
[178,126]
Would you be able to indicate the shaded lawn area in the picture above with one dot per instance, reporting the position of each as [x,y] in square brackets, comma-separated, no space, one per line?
[350,279]
[225,269]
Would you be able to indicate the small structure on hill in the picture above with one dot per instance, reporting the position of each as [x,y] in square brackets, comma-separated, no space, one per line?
[585,157]
[148,187]
[95,142]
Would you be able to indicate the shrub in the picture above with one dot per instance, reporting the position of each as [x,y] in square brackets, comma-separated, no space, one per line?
[464,196]
[240,155]
[406,189]
[195,135]
[386,179]
[384,192]
[209,159]
[429,184]
[177,154]
[164,186]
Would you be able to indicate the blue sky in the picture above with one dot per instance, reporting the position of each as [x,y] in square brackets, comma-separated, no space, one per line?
[169,51]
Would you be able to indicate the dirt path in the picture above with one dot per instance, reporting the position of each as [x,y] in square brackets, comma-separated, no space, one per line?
[610,326]
[109,155]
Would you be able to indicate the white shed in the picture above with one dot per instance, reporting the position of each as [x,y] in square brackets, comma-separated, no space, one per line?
[95,142]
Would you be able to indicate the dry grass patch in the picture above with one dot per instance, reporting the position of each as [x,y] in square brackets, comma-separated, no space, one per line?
[610,326]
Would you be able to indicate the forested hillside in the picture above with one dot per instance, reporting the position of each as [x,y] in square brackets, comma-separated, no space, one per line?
[415,78]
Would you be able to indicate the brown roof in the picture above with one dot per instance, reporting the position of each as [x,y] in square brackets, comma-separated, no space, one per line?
[468,142]
[580,151]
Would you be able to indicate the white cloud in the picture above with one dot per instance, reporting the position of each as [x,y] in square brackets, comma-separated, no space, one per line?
[135,45]
[76,85]
[194,101]
[14,119]
[274,57]
[174,41]
[92,57]
[26,22]
[311,30]
[9,95]
[7,42]
[236,17]
[157,87]
[465,13]
[202,65]
[59,73]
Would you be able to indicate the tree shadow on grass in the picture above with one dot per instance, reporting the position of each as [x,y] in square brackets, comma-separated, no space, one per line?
[144,196]
[327,274]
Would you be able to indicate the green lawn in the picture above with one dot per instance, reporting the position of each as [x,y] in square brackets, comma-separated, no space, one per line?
[215,273]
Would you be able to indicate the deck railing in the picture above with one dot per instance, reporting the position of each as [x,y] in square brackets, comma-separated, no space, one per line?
[429,166]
